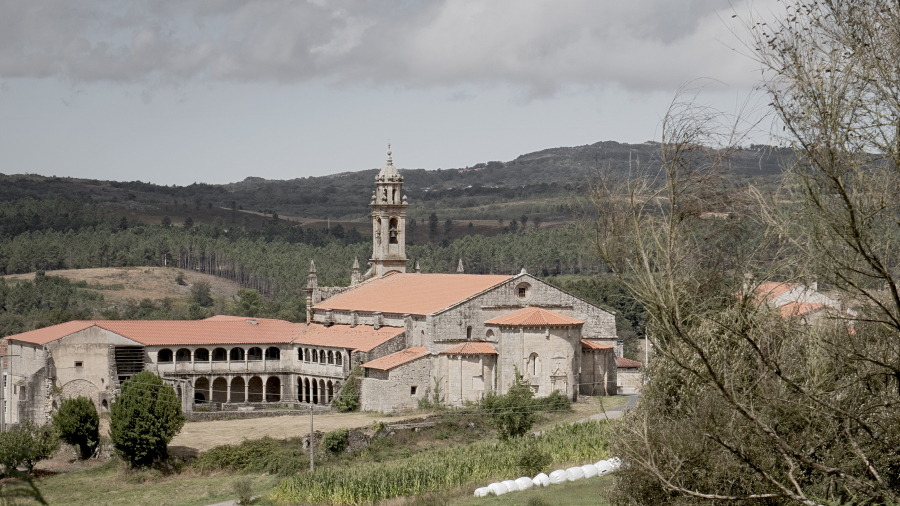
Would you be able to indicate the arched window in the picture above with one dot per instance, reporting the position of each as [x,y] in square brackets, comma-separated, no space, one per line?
[315,356]
[220,355]
[237,354]
[339,358]
[308,356]
[254,354]
[164,355]
[201,355]
[322,356]
[183,355]
[300,354]
[489,334]
[273,353]
[534,365]
[331,358]
[393,231]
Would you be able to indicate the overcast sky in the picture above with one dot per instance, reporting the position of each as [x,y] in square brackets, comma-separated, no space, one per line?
[178,91]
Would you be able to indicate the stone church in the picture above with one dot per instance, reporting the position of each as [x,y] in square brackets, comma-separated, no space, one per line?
[414,334]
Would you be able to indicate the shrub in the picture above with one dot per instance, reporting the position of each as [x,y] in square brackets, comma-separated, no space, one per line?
[533,460]
[145,417]
[200,294]
[553,402]
[513,412]
[26,445]
[78,424]
[336,440]
[348,399]
[243,488]
[179,279]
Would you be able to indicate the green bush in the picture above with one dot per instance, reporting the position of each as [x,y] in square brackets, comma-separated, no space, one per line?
[553,402]
[243,488]
[336,440]
[533,460]
[145,417]
[264,455]
[78,424]
[513,412]
[348,399]
[26,445]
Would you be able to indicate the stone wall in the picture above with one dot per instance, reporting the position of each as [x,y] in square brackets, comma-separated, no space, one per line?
[465,377]
[630,380]
[547,358]
[598,372]
[406,384]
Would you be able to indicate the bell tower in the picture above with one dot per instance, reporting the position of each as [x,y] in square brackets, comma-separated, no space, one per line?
[388,221]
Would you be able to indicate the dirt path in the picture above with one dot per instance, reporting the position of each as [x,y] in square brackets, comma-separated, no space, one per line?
[205,435]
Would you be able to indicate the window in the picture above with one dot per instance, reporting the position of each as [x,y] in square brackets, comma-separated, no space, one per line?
[523,291]
[77,364]
[219,355]
[183,355]
[331,358]
[273,353]
[468,332]
[164,355]
[315,356]
[201,355]
[321,357]
[412,390]
[237,354]
[338,358]
[254,354]
[489,334]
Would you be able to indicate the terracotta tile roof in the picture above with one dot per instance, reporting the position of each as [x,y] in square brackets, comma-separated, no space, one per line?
[223,330]
[49,334]
[359,338]
[418,294]
[591,345]
[623,362]
[533,317]
[772,289]
[397,359]
[471,349]
[799,308]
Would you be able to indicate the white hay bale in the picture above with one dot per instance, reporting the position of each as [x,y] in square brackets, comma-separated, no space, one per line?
[482,492]
[497,488]
[616,463]
[603,467]
[524,483]
[511,485]
[574,473]
[590,470]
[541,480]
[558,476]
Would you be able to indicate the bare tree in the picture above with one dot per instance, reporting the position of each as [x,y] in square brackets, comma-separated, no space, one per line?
[745,404]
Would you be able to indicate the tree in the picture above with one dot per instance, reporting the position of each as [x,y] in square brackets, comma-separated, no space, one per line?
[145,417]
[448,228]
[26,445]
[78,424]
[249,303]
[537,222]
[411,228]
[513,412]
[523,220]
[188,222]
[166,222]
[200,294]
[432,227]
[745,404]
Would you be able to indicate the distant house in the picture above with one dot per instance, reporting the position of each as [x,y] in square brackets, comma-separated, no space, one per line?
[805,302]
[628,376]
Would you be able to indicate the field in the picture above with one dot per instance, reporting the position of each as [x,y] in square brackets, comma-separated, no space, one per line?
[118,284]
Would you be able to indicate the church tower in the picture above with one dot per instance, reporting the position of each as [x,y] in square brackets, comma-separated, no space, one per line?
[388,221]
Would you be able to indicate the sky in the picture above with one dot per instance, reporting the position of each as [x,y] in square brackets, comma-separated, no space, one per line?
[183,91]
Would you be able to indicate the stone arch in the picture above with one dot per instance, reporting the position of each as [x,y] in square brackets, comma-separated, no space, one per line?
[307,393]
[322,356]
[164,355]
[201,355]
[236,355]
[315,391]
[330,357]
[273,389]
[237,389]
[339,358]
[220,390]
[322,399]
[219,355]
[393,229]
[104,405]
[315,355]
[255,389]
[273,353]
[254,354]
[330,391]
[81,388]
[300,354]
[201,390]
[489,334]
[183,355]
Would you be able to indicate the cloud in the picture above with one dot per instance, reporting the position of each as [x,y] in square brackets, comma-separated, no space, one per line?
[541,46]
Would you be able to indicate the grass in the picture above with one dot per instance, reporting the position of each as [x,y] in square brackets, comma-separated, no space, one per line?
[112,484]
[589,492]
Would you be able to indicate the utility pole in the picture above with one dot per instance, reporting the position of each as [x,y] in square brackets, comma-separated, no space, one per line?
[312,441]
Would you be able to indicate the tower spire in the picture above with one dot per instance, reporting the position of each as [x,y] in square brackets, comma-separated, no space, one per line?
[388,220]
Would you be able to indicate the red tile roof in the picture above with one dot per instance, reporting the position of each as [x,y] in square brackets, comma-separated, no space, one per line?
[772,289]
[359,338]
[397,359]
[623,362]
[223,330]
[418,294]
[592,345]
[533,317]
[799,308]
[471,349]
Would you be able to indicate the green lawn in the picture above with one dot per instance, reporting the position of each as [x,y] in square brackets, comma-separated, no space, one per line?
[588,492]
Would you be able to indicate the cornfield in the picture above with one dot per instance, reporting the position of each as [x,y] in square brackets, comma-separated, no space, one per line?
[444,469]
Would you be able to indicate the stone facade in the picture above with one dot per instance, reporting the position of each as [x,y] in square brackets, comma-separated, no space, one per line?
[398,389]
